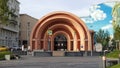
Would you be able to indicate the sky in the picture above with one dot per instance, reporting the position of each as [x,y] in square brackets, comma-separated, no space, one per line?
[100,17]
[92,12]
[39,8]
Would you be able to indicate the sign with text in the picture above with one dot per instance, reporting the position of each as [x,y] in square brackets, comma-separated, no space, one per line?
[98,47]
[49,32]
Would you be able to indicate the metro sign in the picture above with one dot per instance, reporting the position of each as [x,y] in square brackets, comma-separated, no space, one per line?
[98,47]
[49,32]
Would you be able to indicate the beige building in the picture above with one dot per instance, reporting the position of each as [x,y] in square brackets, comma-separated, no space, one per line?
[9,32]
[26,25]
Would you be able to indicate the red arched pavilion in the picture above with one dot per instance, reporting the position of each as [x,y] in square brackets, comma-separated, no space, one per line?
[61,31]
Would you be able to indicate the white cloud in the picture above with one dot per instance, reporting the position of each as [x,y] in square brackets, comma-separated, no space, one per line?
[107,27]
[110,21]
[94,7]
[96,13]
[110,4]
[87,20]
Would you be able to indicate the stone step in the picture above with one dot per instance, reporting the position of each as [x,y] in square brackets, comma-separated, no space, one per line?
[58,53]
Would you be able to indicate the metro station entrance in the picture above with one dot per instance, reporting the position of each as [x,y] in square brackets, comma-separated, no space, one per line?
[67,33]
[60,43]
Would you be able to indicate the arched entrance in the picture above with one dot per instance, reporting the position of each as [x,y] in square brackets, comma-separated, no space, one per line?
[68,32]
[60,43]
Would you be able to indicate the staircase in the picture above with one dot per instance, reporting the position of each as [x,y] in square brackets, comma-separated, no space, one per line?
[58,53]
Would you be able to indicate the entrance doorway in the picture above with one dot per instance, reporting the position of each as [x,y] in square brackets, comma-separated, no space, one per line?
[60,43]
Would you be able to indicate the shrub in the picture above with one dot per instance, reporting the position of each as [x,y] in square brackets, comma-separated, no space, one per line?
[113,54]
[3,53]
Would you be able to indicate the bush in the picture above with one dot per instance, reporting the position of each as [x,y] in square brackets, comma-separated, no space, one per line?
[113,54]
[3,53]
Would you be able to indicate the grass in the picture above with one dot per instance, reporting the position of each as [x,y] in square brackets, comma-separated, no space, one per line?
[113,54]
[3,53]
[115,66]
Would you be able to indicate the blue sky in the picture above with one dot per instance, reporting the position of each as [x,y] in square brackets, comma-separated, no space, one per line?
[100,17]
[81,8]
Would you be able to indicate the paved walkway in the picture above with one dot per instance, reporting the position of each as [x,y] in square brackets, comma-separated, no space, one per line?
[53,62]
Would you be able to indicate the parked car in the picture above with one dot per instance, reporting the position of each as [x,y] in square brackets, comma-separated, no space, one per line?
[16,48]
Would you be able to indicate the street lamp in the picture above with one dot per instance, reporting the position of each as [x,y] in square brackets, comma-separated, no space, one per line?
[49,39]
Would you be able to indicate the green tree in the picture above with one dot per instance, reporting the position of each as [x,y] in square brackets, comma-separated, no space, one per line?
[116,21]
[4,11]
[102,37]
[117,33]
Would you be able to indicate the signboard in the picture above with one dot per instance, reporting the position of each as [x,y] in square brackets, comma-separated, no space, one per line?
[98,47]
[49,32]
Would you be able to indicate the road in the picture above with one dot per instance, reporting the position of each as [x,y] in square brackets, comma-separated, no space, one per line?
[53,62]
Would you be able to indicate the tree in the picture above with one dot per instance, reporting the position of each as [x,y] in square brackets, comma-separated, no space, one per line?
[117,33]
[102,37]
[4,11]
[116,21]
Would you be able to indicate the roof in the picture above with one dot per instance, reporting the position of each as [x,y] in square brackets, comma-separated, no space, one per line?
[28,16]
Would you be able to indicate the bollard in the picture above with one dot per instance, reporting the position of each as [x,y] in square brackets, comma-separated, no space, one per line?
[104,61]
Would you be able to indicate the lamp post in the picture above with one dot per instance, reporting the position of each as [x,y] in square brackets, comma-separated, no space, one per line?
[49,39]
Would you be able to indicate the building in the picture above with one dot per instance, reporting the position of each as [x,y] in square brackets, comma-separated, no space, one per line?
[26,25]
[61,31]
[9,32]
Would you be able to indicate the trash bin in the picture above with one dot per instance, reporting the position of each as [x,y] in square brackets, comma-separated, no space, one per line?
[7,57]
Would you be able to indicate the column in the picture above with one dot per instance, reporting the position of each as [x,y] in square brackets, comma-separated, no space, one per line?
[75,42]
[36,44]
[49,43]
